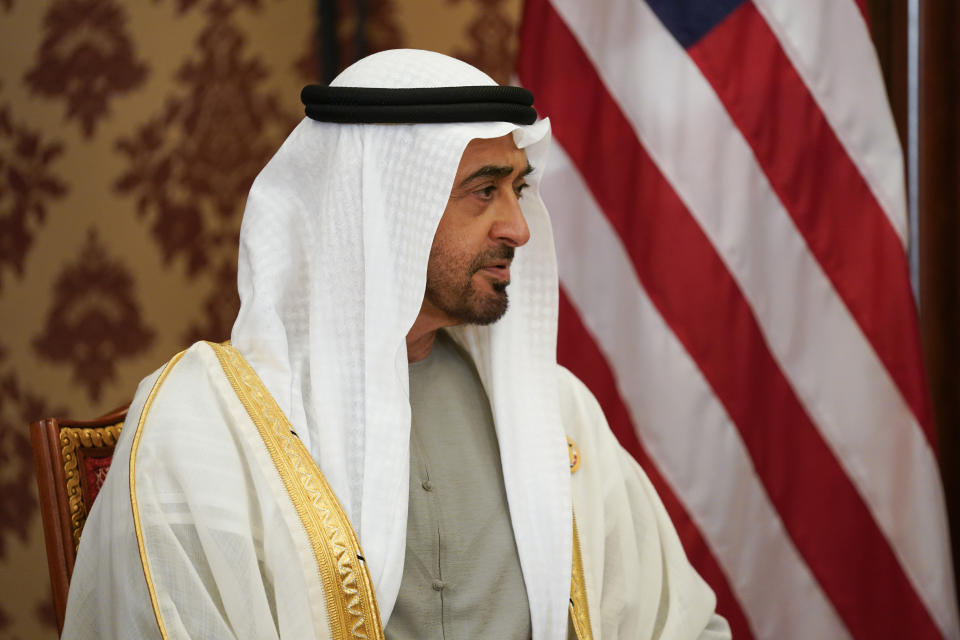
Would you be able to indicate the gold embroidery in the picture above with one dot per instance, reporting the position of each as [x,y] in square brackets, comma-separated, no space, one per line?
[72,439]
[579,611]
[351,603]
[574,455]
[133,493]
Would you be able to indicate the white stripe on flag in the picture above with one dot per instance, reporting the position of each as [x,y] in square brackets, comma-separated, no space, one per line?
[653,370]
[818,345]
[829,45]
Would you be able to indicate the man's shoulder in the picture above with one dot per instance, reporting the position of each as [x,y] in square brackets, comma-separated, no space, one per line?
[575,396]
[583,418]
[569,381]
[192,363]
[185,393]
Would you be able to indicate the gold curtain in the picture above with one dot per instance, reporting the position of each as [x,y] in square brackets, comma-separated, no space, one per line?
[129,135]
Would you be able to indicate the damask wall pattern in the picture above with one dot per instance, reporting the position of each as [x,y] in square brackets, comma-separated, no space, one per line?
[130,132]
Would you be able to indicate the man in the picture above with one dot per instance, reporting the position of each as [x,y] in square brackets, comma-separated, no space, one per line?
[487,492]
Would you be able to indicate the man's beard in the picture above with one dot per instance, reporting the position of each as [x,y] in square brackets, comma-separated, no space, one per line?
[455,293]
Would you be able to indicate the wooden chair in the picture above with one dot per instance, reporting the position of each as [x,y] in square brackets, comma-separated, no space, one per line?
[71,459]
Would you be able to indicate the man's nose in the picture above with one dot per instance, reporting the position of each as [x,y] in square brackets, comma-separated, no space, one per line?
[510,226]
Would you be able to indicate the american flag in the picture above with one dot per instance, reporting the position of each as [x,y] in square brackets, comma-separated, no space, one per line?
[727,194]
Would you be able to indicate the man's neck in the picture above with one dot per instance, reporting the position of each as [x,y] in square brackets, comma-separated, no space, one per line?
[418,347]
[424,331]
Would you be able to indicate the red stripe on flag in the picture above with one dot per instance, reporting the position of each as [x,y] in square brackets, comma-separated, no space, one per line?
[824,192]
[862,5]
[693,291]
[577,350]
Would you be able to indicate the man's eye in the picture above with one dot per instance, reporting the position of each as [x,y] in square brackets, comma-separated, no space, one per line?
[519,189]
[487,192]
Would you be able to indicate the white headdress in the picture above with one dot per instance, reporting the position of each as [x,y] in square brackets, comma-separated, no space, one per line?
[333,258]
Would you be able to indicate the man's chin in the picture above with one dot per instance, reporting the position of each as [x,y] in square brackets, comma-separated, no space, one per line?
[480,304]
[485,309]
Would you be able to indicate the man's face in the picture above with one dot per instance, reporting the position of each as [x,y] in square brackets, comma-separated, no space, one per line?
[469,267]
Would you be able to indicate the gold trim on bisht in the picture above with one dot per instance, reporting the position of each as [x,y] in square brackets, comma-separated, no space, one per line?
[72,439]
[351,603]
[574,454]
[133,493]
[579,611]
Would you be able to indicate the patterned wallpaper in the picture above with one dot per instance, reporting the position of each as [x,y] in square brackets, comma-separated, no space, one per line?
[130,131]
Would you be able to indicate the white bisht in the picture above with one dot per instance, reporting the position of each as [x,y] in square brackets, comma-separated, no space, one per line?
[214,522]
[334,246]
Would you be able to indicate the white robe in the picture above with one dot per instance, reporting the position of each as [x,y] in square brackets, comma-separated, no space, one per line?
[223,539]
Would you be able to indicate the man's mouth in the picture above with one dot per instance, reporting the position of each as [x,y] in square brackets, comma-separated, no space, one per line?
[496,264]
[499,269]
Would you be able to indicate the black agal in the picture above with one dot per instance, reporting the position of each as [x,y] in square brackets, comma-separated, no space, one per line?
[361,105]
